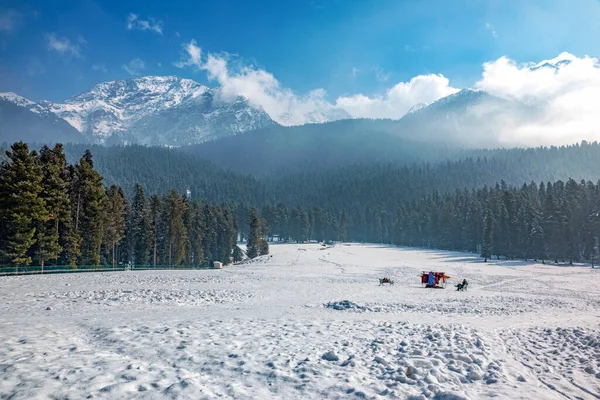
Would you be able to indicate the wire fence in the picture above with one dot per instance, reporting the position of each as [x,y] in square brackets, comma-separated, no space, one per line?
[65,269]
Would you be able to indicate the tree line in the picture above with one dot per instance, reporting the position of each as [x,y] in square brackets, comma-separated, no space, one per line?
[557,221]
[52,212]
[548,221]
[283,223]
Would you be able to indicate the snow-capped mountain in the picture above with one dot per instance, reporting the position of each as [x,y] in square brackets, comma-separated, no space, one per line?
[160,110]
[17,100]
[172,111]
[109,109]
[328,114]
[469,117]
[23,119]
[416,107]
[164,110]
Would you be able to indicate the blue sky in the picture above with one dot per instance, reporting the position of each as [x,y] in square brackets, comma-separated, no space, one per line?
[55,49]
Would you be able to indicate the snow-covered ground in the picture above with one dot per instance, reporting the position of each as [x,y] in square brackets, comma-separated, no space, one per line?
[305,323]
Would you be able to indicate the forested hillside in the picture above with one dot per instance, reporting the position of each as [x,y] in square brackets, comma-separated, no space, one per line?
[352,186]
[158,169]
[317,147]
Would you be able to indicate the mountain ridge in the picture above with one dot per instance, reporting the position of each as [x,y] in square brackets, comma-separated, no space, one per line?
[174,111]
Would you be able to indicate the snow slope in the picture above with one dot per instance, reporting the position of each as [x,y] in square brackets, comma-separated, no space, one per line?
[143,110]
[305,323]
[151,110]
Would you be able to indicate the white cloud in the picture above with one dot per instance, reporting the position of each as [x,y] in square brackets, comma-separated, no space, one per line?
[399,99]
[559,97]
[262,89]
[65,46]
[191,56]
[9,20]
[380,75]
[151,24]
[565,90]
[491,28]
[135,67]
[258,86]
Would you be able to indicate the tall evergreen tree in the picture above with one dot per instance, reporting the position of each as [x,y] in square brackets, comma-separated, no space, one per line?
[553,221]
[21,207]
[488,235]
[319,224]
[195,229]
[237,254]
[89,209]
[55,194]
[72,245]
[141,226]
[263,247]
[300,224]
[343,232]
[175,235]
[282,222]
[114,220]
[253,243]
[155,208]
[228,235]
[211,234]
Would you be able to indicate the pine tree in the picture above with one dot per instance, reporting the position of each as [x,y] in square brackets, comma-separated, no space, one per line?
[89,209]
[127,253]
[21,207]
[141,226]
[263,247]
[174,207]
[209,241]
[254,238]
[502,232]
[195,229]
[269,218]
[300,225]
[488,235]
[155,207]
[553,221]
[70,233]
[55,194]
[282,224]
[537,239]
[228,235]
[343,231]
[114,220]
[319,224]
[237,254]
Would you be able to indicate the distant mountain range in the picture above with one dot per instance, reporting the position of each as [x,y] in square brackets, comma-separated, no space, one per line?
[171,111]
[152,110]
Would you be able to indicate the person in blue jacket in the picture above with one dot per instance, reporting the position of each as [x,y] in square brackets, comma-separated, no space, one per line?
[431,280]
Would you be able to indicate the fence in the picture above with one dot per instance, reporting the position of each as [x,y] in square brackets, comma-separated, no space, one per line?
[65,269]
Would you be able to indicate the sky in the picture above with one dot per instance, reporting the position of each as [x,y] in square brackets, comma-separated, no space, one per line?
[372,58]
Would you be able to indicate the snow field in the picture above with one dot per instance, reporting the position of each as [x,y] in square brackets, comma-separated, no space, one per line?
[306,323]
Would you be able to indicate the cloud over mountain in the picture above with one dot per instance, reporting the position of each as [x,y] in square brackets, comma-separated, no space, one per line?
[260,88]
[565,89]
[399,99]
[561,92]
